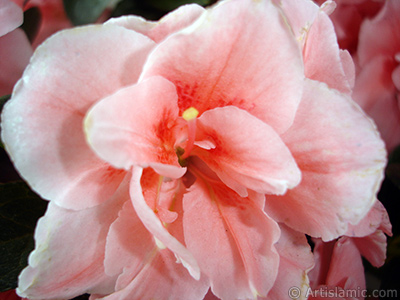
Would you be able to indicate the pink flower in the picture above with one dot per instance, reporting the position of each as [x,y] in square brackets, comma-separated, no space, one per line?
[339,269]
[378,81]
[170,151]
[15,48]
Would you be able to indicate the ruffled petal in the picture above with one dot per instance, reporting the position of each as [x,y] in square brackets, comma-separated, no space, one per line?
[148,188]
[11,16]
[136,126]
[42,123]
[128,246]
[376,218]
[341,159]
[161,278]
[316,35]
[247,153]
[15,52]
[296,259]
[69,253]
[232,239]
[321,53]
[169,24]
[148,272]
[248,58]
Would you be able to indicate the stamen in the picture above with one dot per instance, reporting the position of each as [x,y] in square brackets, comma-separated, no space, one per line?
[190,115]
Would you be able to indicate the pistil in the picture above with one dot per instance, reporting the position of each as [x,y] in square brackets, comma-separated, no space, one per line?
[190,116]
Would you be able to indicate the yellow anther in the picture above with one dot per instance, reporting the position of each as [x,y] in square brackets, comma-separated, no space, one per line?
[190,114]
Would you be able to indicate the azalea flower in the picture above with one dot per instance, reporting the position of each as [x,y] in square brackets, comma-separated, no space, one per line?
[191,154]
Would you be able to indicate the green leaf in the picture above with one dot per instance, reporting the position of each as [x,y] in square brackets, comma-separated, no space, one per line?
[20,208]
[82,12]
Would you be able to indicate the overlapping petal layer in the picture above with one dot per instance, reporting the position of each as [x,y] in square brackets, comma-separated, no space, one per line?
[70,248]
[68,73]
[139,190]
[140,123]
[235,64]
[295,260]
[158,31]
[341,159]
[241,260]
[246,153]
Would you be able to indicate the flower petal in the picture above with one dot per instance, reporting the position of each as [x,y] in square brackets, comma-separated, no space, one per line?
[341,159]
[377,218]
[346,263]
[128,246]
[296,259]
[11,16]
[42,123]
[161,278]
[69,254]
[248,58]
[142,186]
[373,247]
[248,153]
[340,273]
[232,239]
[167,25]
[136,126]
[321,53]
